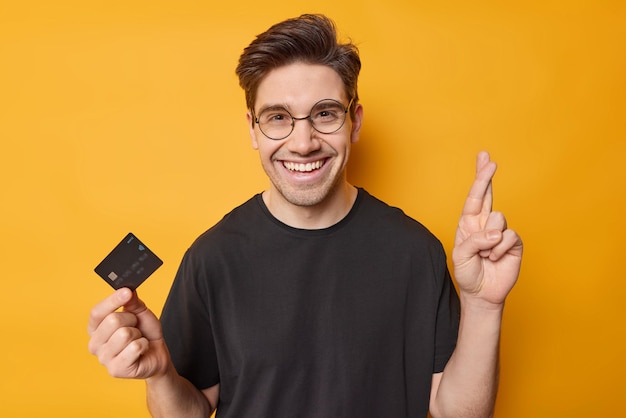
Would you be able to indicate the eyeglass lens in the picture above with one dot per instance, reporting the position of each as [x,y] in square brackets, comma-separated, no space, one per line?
[326,116]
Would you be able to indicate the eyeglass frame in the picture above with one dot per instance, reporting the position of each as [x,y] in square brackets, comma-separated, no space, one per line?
[295,119]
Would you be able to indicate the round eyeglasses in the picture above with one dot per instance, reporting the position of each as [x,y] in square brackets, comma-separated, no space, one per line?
[327,116]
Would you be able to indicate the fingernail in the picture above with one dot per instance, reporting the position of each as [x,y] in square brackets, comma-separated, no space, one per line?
[125,293]
[493,234]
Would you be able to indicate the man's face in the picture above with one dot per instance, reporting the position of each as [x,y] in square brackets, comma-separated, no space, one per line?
[307,167]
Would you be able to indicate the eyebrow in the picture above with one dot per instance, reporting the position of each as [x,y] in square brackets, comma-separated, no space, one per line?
[273,107]
[288,108]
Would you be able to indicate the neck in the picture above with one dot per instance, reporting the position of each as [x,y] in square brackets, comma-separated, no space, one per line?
[322,215]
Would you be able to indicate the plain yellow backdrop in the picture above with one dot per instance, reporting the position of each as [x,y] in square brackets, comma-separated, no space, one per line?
[126,116]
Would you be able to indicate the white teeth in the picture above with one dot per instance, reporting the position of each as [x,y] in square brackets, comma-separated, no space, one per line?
[301,167]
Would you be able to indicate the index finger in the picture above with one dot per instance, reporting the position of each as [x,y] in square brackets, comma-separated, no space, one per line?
[480,197]
[109,305]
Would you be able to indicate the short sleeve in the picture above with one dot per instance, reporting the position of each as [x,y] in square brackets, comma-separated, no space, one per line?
[448,317]
[187,326]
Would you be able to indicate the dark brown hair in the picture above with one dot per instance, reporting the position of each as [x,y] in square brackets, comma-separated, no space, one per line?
[311,39]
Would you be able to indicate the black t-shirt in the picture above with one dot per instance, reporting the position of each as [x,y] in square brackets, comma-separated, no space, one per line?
[347,321]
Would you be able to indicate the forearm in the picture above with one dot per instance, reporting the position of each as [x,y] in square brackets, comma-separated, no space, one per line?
[171,395]
[469,383]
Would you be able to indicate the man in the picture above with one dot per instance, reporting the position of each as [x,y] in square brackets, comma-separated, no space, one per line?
[315,299]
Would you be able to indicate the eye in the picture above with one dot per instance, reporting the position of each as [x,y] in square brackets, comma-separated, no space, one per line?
[326,113]
[275,117]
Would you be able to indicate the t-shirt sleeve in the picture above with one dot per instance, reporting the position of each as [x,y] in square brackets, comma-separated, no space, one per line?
[448,317]
[187,326]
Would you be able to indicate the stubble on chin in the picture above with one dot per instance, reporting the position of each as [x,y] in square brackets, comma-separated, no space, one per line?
[305,195]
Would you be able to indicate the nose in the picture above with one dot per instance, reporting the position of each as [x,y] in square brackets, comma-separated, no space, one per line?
[302,139]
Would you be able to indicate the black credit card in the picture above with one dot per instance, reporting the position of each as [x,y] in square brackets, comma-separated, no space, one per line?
[129,264]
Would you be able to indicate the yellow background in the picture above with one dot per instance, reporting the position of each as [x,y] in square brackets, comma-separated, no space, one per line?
[126,116]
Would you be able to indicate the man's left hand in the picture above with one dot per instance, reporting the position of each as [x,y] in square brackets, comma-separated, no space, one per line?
[487,254]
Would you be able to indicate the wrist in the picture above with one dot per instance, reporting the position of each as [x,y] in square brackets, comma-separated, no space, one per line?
[479,304]
[481,321]
[164,368]
[480,313]
[164,374]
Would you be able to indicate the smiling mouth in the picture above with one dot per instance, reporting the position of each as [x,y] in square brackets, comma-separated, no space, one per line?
[303,167]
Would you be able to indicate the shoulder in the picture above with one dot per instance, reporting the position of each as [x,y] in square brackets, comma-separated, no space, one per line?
[381,216]
[396,236]
[239,221]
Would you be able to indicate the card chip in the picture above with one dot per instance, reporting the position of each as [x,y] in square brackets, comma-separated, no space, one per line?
[112,276]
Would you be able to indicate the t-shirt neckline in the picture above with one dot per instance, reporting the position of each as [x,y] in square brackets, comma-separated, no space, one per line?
[312,232]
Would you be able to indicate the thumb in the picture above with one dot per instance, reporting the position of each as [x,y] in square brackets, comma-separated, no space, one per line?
[128,299]
[147,322]
[478,242]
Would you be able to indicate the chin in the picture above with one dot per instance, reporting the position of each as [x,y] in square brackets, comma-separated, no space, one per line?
[305,198]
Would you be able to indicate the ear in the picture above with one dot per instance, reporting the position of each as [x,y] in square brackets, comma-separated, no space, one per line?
[356,123]
[251,124]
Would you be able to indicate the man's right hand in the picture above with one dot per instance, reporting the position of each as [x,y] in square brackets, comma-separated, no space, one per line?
[129,342]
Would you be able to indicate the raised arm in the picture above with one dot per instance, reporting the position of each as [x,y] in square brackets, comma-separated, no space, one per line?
[129,343]
[486,257]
